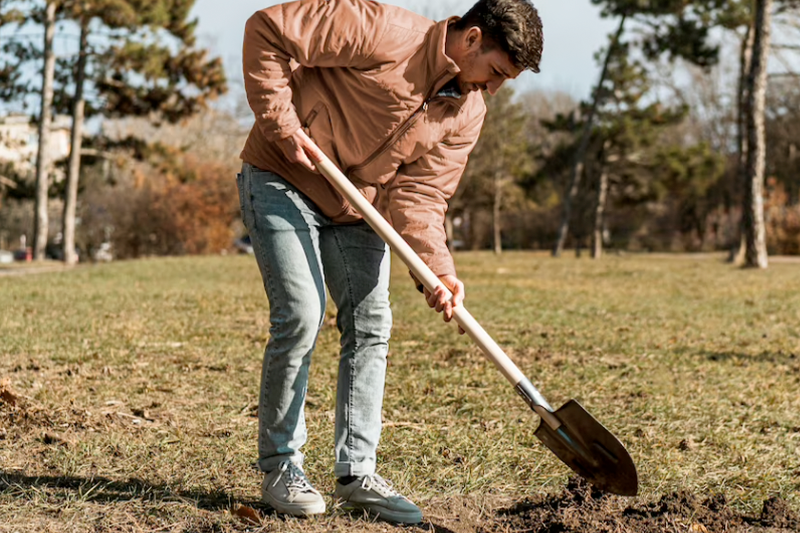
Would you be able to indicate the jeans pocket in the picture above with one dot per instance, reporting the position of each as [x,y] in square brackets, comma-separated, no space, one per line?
[241,195]
[244,182]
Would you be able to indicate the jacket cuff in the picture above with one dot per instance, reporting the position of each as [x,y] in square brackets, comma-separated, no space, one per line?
[281,130]
[441,264]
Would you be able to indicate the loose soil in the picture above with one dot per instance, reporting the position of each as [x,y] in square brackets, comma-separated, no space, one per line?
[580,509]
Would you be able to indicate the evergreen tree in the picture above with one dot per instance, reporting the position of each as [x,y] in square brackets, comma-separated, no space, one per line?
[624,158]
[135,76]
[135,58]
[666,28]
[671,28]
[580,152]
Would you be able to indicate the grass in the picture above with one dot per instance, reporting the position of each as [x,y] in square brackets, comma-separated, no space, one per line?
[135,386]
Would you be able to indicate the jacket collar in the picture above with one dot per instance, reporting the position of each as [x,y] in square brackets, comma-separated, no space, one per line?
[441,68]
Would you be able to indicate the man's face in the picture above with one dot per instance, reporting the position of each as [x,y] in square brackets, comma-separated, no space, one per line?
[484,68]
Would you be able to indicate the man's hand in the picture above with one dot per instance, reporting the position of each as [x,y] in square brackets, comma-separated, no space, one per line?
[438,299]
[299,148]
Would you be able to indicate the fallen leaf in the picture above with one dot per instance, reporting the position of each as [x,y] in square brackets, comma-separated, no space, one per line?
[251,409]
[247,514]
[143,413]
[698,528]
[8,397]
[54,438]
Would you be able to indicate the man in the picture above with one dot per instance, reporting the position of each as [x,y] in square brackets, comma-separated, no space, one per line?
[395,101]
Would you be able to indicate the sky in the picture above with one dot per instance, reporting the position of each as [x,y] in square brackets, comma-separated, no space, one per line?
[573,32]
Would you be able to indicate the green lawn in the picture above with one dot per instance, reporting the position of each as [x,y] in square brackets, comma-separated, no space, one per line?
[129,389]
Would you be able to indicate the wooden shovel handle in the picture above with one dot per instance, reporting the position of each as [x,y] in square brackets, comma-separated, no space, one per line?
[426,276]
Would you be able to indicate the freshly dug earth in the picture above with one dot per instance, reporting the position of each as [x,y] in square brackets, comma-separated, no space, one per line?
[579,509]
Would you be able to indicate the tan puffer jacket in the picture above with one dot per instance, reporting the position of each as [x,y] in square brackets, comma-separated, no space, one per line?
[367,90]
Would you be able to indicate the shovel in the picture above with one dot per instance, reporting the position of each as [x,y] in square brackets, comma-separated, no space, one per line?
[571,433]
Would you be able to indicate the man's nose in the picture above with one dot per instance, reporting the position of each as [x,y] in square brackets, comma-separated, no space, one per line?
[493,86]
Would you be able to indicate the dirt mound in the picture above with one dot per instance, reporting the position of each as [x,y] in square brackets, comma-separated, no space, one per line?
[581,509]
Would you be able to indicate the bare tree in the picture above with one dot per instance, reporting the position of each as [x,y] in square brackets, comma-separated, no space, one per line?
[45,119]
[754,228]
[600,208]
[580,154]
[73,172]
[498,183]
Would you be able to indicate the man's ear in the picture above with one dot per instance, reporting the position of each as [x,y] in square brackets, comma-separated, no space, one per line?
[473,38]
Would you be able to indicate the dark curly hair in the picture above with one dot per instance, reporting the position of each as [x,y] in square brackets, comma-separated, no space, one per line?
[512,25]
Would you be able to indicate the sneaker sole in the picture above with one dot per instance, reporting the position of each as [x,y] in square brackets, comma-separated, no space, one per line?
[293,509]
[384,513]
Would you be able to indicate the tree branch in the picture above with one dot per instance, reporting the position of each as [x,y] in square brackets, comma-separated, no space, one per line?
[7,182]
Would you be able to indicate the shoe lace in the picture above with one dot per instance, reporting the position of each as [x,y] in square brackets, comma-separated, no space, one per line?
[379,485]
[293,477]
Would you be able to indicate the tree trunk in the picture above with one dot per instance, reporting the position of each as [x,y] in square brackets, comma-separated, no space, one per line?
[468,230]
[793,185]
[745,64]
[754,228]
[577,166]
[496,214]
[745,61]
[599,215]
[45,118]
[74,171]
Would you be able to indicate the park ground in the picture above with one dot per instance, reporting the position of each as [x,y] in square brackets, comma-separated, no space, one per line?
[128,394]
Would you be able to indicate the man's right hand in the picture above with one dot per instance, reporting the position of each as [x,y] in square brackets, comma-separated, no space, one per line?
[299,148]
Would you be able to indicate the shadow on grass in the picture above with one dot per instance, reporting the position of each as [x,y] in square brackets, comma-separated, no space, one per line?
[763,357]
[101,489]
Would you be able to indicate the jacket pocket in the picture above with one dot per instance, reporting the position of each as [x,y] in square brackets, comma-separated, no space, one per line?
[317,125]
[312,115]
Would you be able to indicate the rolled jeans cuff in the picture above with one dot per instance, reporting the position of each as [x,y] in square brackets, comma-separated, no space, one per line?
[363,468]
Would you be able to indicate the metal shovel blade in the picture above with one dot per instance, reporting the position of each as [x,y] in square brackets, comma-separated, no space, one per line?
[589,449]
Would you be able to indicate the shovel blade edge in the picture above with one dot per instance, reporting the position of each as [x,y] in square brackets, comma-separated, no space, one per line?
[589,449]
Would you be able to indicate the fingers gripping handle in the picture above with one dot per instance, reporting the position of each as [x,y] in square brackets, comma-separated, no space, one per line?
[426,276]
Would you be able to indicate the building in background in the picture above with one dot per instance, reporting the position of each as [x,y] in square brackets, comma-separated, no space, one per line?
[19,142]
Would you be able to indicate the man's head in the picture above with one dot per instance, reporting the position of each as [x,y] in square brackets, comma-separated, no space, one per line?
[495,41]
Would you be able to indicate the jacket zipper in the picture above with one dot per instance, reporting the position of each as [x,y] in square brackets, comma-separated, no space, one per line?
[399,132]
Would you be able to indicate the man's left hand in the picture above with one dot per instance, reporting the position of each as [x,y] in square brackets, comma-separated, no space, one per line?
[438,299]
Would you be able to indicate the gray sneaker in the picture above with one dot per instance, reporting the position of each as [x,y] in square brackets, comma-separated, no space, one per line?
[287,490]
[376,496]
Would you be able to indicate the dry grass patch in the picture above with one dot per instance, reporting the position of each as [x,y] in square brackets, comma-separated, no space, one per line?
[128,390]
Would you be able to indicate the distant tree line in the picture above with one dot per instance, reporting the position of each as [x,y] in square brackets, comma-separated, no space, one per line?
[132,58]
[645,162]
[635,166]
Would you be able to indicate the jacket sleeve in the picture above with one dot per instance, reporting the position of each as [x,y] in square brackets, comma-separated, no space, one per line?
[313,33]
[417,197]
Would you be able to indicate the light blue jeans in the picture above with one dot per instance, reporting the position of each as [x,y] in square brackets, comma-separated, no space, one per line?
[299,251]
